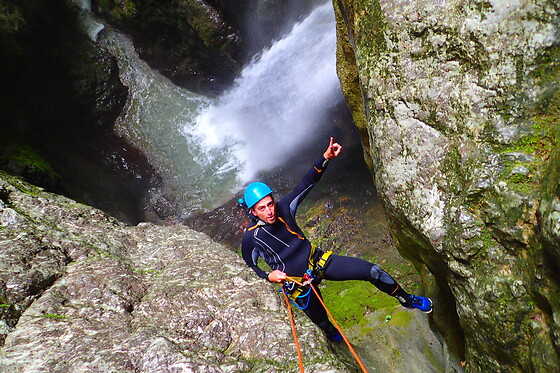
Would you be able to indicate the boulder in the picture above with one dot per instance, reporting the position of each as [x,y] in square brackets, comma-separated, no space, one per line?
[457,104]
[81,292]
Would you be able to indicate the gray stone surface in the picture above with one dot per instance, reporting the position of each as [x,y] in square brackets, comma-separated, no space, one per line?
[458,106]
[81,292]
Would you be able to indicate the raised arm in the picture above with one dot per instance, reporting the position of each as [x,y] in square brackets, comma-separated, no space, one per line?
[312,176]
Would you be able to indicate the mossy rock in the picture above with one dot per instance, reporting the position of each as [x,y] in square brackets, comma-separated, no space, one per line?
[22,159]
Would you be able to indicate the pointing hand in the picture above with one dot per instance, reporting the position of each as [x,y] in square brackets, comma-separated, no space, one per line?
[333,150]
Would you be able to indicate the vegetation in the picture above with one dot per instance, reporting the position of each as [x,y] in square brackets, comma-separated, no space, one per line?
[25,157]
[351,222]
[118,9]
[54,316]
[350,301]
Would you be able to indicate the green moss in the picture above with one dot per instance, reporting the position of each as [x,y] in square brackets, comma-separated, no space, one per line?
[487,239]
[350,301]
[370,28]
[539,141]
[397,317]
[100,254]
[401,318]
[204,27]
[366,330]
[458,170]
[11,19]
[149,272]
[348,74]
[540,137]
[26,156]
[21,158]
[118,9]
[282,366]
[21,185]
[54,316]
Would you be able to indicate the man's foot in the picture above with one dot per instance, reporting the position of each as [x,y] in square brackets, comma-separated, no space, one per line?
[335,336]
[422,303]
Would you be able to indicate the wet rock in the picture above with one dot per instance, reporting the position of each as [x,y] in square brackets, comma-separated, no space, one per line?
[81,292]
[188,41]
[66,142]
[457,106]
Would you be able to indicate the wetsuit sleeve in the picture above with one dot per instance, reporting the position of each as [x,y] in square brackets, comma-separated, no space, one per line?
[309,180]
[250,254]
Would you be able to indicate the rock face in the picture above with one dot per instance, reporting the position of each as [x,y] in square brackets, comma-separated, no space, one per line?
[201,44]
[81,292]
[189,41]
[66,143]
[458,106]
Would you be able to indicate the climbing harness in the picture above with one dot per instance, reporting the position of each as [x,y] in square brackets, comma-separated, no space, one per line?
[308,281]
[297,285]
[322,262]
[296,291]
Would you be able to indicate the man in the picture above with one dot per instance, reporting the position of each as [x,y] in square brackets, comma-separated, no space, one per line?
[274,235]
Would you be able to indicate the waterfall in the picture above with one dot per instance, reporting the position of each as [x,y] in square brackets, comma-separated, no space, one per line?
[207,149]
[154,115]
[279,101]
[90,25]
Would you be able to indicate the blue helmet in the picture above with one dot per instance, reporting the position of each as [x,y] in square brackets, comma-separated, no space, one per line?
[255,192]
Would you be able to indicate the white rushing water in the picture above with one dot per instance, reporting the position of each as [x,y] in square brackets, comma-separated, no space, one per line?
[279,101]
[207,149]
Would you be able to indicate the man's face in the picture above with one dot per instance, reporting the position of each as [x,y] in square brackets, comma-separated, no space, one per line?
[265,210]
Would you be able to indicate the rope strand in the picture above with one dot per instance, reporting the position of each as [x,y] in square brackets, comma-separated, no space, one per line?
[358,360]
[300,358]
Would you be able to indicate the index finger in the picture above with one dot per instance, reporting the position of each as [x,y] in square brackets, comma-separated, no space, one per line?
[331,142]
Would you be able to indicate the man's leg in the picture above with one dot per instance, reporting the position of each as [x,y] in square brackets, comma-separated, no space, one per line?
[341,268]
[313,308]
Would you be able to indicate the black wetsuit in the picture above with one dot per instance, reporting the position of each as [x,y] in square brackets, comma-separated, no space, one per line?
[284,247]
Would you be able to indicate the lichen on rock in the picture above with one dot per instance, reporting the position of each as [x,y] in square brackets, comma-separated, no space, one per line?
[81,292]
[460,103]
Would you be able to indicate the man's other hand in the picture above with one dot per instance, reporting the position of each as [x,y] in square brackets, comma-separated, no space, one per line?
[276,276]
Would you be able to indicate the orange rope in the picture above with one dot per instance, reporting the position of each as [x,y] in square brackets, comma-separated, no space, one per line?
[300,359]
[358,360]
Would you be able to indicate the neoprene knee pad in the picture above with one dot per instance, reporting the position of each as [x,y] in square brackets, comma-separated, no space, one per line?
[379,275]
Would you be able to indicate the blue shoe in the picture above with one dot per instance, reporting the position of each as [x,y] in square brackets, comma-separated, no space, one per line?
[422,303]
[335,336]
